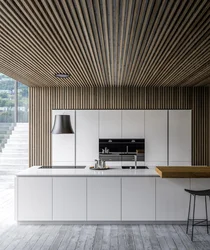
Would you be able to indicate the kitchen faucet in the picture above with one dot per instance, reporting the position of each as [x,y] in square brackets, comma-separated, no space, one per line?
[135,161]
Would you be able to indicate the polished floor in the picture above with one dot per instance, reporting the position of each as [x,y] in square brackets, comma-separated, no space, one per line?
[122,237]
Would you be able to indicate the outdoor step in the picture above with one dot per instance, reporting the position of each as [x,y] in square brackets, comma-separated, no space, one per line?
[3,132]
[18,135]
[5,125]
[11,172]
[4,137]
[15,146]
[15,158]
[21,130]
[17,141]
[15,150]
[10,166]
[11,142]
[12,154]
[13,162]
[23,133]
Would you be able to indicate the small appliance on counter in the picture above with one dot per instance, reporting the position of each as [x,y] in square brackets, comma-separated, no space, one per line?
[99,165]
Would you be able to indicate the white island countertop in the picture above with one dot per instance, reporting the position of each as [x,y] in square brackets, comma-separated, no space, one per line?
[86,172]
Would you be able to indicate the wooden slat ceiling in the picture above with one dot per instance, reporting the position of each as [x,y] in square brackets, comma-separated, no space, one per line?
[103,43]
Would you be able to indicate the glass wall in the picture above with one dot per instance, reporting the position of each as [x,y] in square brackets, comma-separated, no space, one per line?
[13,101]
[22,102]
[7,99]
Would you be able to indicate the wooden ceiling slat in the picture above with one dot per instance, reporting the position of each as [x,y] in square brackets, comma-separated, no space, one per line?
[165,39]
[80,41]
[91,35]
[141,74]
[96,39]
[175,44]
[88,34]
[76,44]
[19,30]
[106,43]
[73,60]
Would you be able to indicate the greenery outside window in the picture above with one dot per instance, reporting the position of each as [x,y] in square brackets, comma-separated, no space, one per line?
[13,101]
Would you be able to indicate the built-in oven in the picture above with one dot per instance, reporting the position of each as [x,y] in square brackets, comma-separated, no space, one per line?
[121,149]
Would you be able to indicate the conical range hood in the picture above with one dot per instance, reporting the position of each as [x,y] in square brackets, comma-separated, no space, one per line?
[62,125]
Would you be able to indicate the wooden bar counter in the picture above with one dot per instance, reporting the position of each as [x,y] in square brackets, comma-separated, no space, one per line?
[183,172]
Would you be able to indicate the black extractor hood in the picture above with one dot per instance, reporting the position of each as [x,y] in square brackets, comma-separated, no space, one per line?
[62,125]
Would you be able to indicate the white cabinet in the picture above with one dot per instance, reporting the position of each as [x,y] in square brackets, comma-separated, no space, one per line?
[103,199]
[179,163]
[171,199]
[34,198]
[200,184]
[87,139]
[156,136]
[110,124]
[69,198]
[63,145]
[133,123]
[138,198]
[180,136]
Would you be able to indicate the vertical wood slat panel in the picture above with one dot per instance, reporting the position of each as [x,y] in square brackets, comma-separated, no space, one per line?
[43,100]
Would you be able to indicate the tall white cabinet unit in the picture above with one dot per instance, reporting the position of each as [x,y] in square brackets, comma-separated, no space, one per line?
[87,139]
[179,132]
[133,123]
[110,124]
[63,145]
[156,137]
[167,135]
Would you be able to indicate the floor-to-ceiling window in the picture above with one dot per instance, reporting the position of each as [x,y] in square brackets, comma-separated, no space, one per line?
[13,125]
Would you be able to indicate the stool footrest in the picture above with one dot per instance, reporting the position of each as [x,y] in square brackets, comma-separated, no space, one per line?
[198,221]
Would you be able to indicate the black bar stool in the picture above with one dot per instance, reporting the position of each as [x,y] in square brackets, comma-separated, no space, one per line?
[195,193]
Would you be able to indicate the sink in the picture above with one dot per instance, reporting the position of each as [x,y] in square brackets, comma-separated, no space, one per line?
[132,167]
[128,154]
[62,167]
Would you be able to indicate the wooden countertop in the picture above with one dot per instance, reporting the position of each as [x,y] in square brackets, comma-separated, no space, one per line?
[183,172]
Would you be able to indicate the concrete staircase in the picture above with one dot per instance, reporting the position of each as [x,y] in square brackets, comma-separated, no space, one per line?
[14,155]
[5,132]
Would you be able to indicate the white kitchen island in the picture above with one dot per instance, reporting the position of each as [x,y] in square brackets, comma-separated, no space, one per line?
[110,196]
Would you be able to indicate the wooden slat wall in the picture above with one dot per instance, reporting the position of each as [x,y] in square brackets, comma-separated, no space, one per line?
[43,100]
[209,126]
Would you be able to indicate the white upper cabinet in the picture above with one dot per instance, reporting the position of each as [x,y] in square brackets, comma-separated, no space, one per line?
[180,136]
[156,136]
[110,124]
[87,140]
[63,145]
[133,123]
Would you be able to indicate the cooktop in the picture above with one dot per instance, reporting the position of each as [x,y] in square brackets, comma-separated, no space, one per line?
[63,167]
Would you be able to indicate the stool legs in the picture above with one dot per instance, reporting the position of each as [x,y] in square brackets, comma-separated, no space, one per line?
[193,220]
[207,222]
[188,218]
